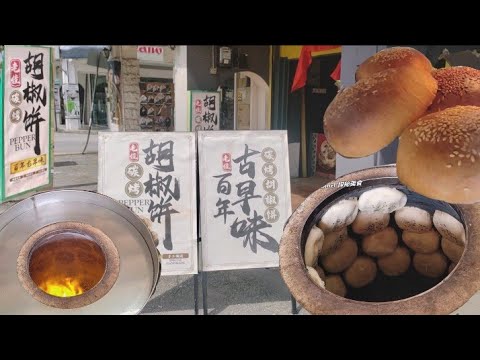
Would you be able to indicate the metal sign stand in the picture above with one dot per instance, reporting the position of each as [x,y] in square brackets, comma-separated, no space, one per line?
[294,305]
[204,273]
[195,293]
[204,293]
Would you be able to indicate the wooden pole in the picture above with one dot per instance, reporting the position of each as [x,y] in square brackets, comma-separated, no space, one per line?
[303,131]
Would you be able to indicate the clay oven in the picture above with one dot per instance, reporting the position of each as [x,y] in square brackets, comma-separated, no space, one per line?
[409,293]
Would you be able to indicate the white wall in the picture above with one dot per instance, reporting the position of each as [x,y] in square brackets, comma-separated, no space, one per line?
[156,73]
[180,86]
[352,56]
[82,66]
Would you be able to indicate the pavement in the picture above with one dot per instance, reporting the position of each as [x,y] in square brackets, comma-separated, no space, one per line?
[235,292]
[66,143]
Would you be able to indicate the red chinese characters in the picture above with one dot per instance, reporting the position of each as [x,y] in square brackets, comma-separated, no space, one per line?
[15,73]
[133,151]
[198,106]
[227,162]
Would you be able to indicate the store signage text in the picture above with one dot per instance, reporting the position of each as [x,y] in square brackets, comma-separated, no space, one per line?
[150,50]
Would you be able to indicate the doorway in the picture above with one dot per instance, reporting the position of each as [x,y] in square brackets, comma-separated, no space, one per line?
[251,101]
[320,90]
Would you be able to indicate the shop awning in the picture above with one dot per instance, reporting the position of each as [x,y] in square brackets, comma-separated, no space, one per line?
[79,52]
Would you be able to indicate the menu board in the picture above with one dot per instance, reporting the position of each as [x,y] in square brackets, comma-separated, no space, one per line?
[156,106]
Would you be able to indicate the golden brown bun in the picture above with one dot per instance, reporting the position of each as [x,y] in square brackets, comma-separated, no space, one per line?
[458,85]
[431,265]
[396,263]
[320,272]
[342,257]
[368,223]
[380,243]
[335,284]
[452,250]
[393,58]
[451,267]
[361,273]
[439,155]
[424,243]
[332,241]
[369,115]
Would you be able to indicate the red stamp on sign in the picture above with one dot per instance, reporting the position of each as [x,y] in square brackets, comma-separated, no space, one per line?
[133,151]
[227,162]
[15,73]
[198,106]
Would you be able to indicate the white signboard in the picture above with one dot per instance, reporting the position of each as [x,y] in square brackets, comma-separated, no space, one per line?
[26,119]
[155,55]
[154,174]
[244,196]
[204,110]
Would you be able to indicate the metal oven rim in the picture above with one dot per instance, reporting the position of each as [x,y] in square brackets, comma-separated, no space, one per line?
[136,282]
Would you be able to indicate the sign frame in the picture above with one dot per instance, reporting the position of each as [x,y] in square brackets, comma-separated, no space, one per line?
[3,196]
[203,163]
[128,138]
[191,105]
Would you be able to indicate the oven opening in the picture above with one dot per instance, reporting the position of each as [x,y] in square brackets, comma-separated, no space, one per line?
[66,263]
[392,264]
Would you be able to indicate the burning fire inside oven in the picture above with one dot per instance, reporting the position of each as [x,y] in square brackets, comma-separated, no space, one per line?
[67,264]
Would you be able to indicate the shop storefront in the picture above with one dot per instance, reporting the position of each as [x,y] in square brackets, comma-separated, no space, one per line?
[240,77]
[156,88]
[82,88]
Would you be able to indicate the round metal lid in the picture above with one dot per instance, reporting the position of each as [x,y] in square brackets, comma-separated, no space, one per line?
[139,259]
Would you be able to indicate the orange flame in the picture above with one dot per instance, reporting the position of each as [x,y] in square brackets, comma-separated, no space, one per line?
[66,287]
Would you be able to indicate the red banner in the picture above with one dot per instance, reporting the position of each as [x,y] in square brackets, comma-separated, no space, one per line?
[304,63]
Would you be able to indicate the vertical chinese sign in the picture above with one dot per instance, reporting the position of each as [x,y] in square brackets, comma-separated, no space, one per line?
[244,196]
[154,174]
[26,124]
[204,110]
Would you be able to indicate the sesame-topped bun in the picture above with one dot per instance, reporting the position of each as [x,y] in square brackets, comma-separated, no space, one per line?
[439,155]
[369,115]
[393,58]
[458,85]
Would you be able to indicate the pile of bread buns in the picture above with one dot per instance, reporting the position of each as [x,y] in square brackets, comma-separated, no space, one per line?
[435,114]
[357,238]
